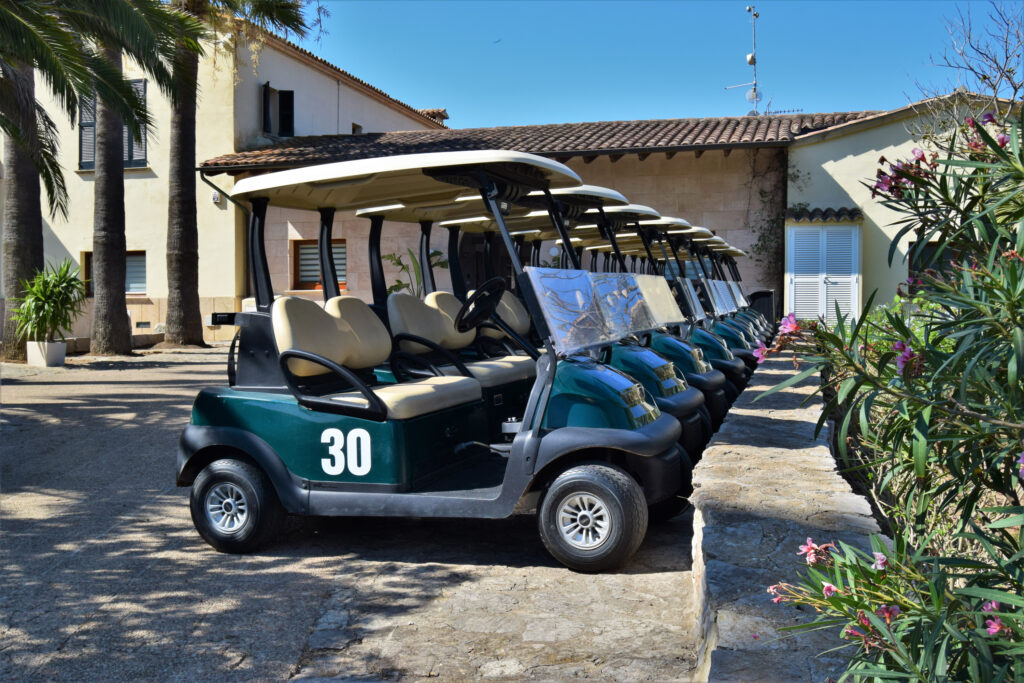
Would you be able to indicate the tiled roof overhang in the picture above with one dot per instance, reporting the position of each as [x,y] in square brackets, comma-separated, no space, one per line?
[561,140]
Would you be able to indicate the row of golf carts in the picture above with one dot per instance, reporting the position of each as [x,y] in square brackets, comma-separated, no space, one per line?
[584,392]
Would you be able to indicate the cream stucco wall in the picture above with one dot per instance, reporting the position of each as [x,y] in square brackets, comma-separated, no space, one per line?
[833,168]
[146,196]
[325,104]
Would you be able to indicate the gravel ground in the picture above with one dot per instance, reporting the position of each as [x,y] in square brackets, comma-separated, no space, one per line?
[104,577]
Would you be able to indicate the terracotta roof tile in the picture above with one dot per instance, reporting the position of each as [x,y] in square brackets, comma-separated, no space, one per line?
[557,139]
[828,215]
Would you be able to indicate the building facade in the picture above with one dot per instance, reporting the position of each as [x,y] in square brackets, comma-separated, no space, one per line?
[249,97]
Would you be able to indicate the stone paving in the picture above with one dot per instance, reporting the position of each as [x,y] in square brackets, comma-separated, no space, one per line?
[764,485]
[104,577]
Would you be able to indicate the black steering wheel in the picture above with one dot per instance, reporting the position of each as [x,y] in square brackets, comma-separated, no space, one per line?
[481,306]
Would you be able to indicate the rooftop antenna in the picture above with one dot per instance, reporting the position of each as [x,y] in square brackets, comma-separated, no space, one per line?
[753,95]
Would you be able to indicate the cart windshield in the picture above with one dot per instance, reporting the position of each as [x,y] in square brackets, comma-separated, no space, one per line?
[658,295]
[622,304]
[692,300]
[586,310]
[569,304]
[738,293]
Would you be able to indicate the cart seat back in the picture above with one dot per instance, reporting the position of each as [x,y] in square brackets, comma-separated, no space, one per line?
[374,345]
[512,311]
[301,324]
[448,305]
[407,314]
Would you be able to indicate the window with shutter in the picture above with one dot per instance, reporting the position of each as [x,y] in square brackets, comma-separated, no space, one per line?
[87,133]
[134,152]
[306,264]
[135,272]
[286,113]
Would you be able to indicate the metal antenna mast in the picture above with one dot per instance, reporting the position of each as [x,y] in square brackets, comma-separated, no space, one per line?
[753,95]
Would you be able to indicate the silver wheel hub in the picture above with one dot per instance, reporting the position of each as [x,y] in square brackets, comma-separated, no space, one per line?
[584,521]
[227,508]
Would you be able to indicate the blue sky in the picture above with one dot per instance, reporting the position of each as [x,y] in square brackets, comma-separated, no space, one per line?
[527,62]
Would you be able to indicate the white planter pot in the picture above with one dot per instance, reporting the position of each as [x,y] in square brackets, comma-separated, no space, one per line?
[46,354]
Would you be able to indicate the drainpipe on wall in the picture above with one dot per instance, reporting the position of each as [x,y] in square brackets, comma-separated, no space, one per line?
[245,213]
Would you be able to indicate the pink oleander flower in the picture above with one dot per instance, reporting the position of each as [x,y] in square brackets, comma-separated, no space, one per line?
[994,626]
[881,562]
[863,619]
[969,121]
[975,144]
[888,612]
[789,325]
[828,590]
[918,153]
[851,632]
[988,117]
[809,549]
[1002,139]
[760,352]
[990,606]
[899,346]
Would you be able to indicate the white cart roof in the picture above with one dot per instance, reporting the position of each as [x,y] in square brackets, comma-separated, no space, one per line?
[629,213]
[380,181]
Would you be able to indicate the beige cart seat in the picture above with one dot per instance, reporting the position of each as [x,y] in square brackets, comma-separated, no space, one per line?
[513,312]
[354,338]
[434,319]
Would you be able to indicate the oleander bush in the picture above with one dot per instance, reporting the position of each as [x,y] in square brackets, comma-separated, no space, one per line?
[928,397]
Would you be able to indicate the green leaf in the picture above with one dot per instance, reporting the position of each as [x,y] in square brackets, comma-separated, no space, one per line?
[921,444]
[799,377]
[990,594]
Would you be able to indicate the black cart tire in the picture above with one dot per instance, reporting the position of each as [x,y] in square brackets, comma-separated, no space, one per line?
[234,506]
[593,517]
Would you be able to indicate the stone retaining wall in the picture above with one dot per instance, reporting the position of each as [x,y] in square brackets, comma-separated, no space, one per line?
[763,486]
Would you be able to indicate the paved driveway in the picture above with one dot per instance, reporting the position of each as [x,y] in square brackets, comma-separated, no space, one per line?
[103,576]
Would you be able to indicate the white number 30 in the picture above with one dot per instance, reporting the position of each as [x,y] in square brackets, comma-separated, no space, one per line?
[358,447]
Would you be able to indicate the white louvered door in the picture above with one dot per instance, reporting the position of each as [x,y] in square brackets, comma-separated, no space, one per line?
[803,272]
[822,269]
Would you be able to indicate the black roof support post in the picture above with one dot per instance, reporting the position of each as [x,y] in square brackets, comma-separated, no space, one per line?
[488,192]
[607,258]
[377,284]
[563,232]
[645,237]
[258,249]
[488,257]
[632,264]
[695,256]
[455,263]
[328,272]
[426,270]
[604,226]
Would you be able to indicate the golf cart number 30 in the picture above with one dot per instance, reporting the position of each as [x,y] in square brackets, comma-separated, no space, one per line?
[357,445]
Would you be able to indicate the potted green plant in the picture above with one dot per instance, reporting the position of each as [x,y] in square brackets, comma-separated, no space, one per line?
[52,301]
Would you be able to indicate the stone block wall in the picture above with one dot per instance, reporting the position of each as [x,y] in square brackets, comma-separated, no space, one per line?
[763,486]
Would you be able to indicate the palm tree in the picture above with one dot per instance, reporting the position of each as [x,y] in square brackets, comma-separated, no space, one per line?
[111,326]
[58,39]
[22,241]
[184,321]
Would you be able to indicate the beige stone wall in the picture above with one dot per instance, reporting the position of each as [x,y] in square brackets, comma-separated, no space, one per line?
[833,169]
[711,190]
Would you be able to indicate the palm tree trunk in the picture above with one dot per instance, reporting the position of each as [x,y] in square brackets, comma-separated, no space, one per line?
[111,326]
[184,321]
[22,239]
